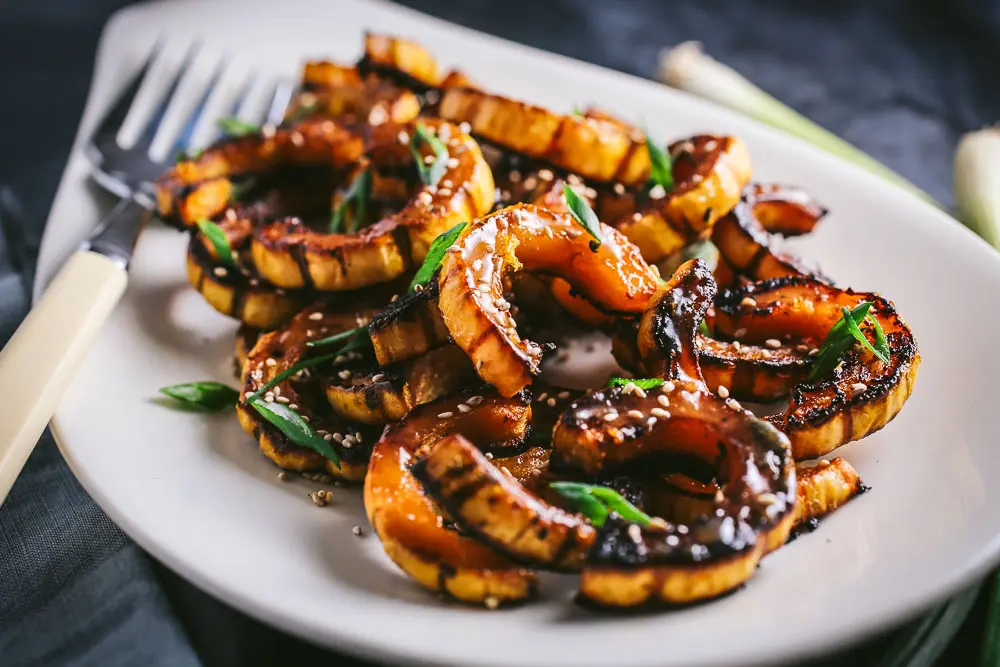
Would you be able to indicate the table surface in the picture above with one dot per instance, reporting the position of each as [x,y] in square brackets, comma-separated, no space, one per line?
[902,80]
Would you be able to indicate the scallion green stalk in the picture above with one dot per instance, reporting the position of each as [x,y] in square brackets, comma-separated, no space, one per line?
[688,68]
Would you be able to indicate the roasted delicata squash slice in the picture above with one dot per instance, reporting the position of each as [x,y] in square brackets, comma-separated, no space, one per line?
[615,429]
[744,242]
[824,486]
[235,288]
[498,510]
[861,395]
[413,533]
[292,255]
[276,352]
[710,173]
[202,186]
[609,273]
[408,326]
[383,394]
[594,148]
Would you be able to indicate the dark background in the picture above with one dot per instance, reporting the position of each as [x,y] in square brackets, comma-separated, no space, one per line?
[901,79]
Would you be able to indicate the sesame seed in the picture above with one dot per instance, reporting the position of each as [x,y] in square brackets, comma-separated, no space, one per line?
[220,271]
[672,540]
[282,476]
[463,408]
[610,416]
[465,127]
[378,377]
[637,217]
[283,399]
[403,137]
[823,463]
[491,602]
[651,421]
[545,174]
[628,388]
[489,456]
[773,343]
[338,437]
[344,374]
[733,404]
[563,395]
[452,162]
[295,406]
[667,386]
[475,400]
[737,346]
[739,333]
[446,415]
[358,531]
[767,499]
[618,188]
[551,402]
[270,361]
[660,412]
[749,302]
[269,398]
[424,197]
[635,414]
[663,400]
[657,192]
[444,192]
[640,392]
[429,159]
[766,354]
[635,532]
[328,437]
[813,352]
[859,386]
[723,391]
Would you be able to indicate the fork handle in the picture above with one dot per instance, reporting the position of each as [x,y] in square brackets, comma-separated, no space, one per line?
[39,361]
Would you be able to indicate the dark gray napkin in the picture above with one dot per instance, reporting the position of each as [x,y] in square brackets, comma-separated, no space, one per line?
[74,590]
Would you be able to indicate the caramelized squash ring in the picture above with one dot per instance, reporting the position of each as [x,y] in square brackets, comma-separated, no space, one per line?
[862,395]
[291,255]
[413,532]
[275,352]
[611,274]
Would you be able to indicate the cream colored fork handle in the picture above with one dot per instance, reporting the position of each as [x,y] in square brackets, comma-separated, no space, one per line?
[40,359]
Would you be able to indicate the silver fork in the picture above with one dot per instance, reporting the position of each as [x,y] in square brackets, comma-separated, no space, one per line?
[39,361]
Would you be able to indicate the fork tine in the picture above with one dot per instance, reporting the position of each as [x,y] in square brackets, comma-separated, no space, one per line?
[111,123]
[149,132]
[183,141]
[281,96]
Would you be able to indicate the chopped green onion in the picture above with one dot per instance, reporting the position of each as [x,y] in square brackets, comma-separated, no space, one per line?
[217,237]
[838,340]
[295,428]
[432,173]
[859,336]
[234,127]
[597,502]
[209,396]
[660,172]
[580,210]
[338,337]
[435,255]
[642,383]
[357,195]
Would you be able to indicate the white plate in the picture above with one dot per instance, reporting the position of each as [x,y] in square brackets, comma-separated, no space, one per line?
[198,496]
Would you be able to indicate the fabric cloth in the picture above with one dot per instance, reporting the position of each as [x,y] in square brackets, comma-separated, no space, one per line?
[900,79]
